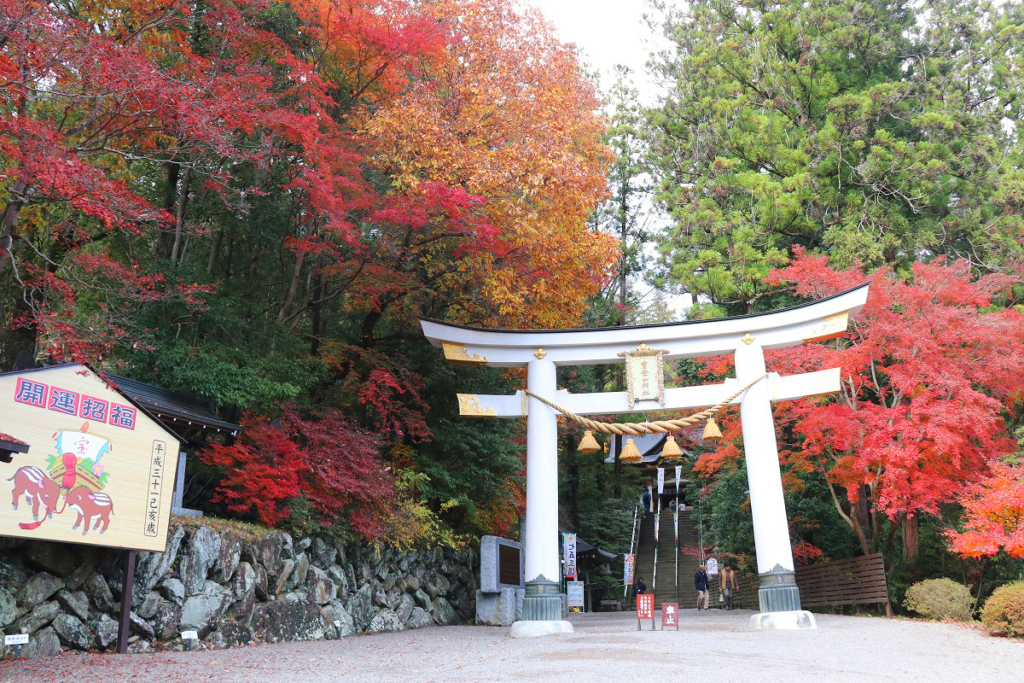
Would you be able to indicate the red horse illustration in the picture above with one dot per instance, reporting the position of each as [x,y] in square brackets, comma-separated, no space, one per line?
[90,506]
[37,488]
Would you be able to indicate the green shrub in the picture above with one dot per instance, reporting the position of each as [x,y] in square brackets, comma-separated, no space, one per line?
[940,599]
[1004,610]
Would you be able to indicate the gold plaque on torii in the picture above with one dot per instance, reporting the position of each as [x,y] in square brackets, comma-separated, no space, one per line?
[645,375]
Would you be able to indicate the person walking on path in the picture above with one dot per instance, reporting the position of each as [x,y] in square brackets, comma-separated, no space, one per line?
[727,583]
[700,582]
[640,588]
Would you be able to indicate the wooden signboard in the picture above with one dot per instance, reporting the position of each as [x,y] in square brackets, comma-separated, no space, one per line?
[98,470]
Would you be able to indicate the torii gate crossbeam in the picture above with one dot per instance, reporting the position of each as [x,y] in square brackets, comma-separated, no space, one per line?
[541,351]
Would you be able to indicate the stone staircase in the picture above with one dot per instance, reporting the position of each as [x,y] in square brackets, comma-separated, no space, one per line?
[666,588]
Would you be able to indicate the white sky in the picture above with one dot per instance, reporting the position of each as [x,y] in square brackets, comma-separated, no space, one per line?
[608,32]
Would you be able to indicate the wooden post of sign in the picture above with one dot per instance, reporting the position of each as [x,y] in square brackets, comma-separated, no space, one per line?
[124,623]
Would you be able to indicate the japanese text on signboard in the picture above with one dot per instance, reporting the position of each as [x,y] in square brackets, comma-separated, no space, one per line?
[574,593]
[74,404]
[156,477]
[670,614]
[570,556]
[645,606]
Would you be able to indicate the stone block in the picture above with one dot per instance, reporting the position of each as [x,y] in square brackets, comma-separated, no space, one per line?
[105,629]
[74,602]
[418,618]
[99,592]
[8,607]
[288,619]
[39,617]
[444,613]
[37,589]
[202,612]
[230,555]
[72,632]
[202,551]
[173,590]
[499,609]
[151,567]
[336,612]
[43,644]
[230,634]
[385,621]
[360,607]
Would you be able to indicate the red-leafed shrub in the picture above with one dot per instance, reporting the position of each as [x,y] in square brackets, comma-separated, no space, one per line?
[318,457]
[807,553]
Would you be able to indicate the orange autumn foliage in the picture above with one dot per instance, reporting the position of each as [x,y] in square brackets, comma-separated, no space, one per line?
[994,515]
[507,115]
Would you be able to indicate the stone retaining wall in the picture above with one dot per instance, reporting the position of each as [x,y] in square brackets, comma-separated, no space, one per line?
[230,590]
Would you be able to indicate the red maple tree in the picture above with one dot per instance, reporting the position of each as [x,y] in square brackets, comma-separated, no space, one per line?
[928,368]
[319,456]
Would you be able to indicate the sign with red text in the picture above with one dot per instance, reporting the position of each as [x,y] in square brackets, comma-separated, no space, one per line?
[98,471]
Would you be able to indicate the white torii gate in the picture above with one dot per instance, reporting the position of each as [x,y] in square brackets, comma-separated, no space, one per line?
[541,351]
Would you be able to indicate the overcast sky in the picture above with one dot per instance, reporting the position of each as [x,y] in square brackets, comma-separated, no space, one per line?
[608,32]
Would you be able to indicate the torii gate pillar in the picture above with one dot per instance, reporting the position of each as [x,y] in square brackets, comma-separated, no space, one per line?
[541,351]
[542,606]
[778,594]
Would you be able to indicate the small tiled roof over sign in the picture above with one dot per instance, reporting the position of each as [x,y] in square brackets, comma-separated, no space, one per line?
[10,439]
[9,445]
[170,407]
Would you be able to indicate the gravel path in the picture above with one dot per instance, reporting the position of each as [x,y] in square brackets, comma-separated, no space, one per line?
[713,646]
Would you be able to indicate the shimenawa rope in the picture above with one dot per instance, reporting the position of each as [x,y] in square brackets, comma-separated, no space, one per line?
[637,428]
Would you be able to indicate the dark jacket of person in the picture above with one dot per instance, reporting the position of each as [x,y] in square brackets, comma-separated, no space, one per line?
[641,587]
[700,581]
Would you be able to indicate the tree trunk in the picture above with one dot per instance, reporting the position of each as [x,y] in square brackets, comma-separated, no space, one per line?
[179,217]
[164,240]
[218,238]
[910,528]
[316,318]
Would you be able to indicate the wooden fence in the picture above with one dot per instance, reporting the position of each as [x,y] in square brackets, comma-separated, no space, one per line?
[853,581]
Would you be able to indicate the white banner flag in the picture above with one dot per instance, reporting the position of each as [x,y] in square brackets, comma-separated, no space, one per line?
[661,480]
[679,471]
[570,556]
